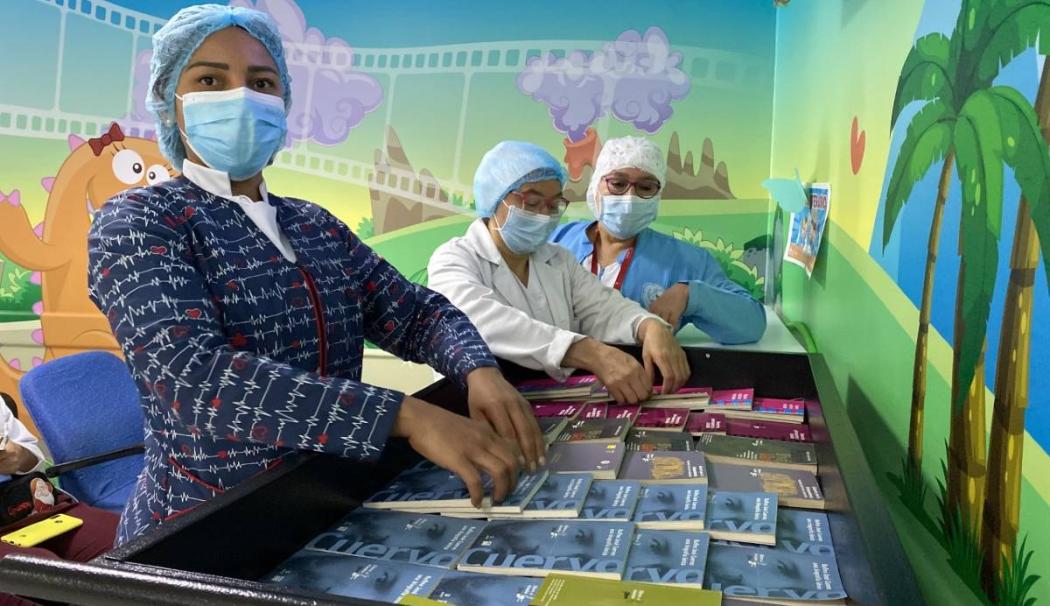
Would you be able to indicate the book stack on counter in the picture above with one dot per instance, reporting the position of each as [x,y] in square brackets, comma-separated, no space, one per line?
[662,503]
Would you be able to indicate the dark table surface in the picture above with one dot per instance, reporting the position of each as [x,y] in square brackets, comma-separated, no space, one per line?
[212,554]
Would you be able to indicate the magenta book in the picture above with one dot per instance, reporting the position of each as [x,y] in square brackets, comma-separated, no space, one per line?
[769,430]
[556,409]
[548,383]
[684,392]
[625,411]
[594,410]
[670,419]
[732,399]
[795,409]
[706,422]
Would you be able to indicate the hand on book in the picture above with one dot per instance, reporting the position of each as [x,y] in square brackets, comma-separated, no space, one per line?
[661,350]
[491,399]
[463,446]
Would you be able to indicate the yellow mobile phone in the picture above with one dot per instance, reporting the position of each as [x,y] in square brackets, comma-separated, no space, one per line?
[38,532]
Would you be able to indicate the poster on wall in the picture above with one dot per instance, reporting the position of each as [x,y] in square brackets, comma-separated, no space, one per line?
[807,228]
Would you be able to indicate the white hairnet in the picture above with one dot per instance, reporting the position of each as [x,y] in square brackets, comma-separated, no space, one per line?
[173,45]
[626,152]
[507,167]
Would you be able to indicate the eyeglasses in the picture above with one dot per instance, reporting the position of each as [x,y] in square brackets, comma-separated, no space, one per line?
[535,203]
[644,188]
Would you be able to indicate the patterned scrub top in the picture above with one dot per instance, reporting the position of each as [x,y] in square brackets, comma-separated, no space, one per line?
[243,358]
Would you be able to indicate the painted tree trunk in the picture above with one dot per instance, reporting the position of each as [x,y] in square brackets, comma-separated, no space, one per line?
[1003,504]
[967,466]
[918,386]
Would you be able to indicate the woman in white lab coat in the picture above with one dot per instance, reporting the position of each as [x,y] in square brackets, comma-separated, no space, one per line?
[532,301]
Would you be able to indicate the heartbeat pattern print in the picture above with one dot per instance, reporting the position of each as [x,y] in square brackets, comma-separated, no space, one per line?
[241,357]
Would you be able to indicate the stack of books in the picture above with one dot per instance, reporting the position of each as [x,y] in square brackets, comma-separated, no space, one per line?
[663,503]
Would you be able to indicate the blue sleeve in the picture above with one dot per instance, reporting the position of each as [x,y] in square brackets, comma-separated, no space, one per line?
[414,322]
[142,277]
[720,307]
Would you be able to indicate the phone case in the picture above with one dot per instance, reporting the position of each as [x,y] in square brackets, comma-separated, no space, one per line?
[45,529]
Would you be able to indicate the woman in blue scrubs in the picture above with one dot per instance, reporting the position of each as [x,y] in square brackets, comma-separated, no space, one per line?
[675,280]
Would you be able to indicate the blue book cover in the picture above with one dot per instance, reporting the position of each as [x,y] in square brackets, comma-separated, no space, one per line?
[611,500]
[472,589]
[562,495]
[747,517]
[744,571]
[668,556]
[429,488]
[404,537]
[672,507]
[355,577]
[802,531]
[540,547]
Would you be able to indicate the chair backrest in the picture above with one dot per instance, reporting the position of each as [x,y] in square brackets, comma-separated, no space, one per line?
[87,404]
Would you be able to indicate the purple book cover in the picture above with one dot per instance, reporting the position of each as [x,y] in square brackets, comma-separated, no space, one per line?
[556,409]
[583,457]
[706,422]
[795,409]
[769,430]
[733,399]
[671,419]
[664,466]
[548,383]
[595,410]
[626,411]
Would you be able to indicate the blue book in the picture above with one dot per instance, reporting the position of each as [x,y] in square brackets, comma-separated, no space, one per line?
[561,496]
[611,500]
[429,488]
[773,575]
[746,517]
[672,507]
[355,577]
[668,556]
[802,531]
[471,589]
[537,548]
[404,537]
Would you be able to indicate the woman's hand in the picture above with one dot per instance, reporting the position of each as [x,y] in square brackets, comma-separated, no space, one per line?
[671,305]
[463,446]
[661,350]
[16,459]
[490,398]
[621,374]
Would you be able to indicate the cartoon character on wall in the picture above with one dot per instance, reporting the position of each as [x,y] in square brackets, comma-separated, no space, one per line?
[94,171]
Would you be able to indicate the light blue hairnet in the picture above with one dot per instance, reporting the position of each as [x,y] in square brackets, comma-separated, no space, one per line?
[507,167]
[173,45]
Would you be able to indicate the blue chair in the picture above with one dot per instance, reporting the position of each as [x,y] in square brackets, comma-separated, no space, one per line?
[87,409]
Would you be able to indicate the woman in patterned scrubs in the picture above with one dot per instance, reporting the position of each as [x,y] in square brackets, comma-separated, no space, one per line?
[242,315]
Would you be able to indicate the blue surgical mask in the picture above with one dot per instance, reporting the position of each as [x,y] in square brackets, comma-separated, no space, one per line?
[523,232]
[236,131]
[627,215]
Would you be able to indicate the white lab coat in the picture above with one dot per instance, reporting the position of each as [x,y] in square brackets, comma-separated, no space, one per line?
[532,326]
[17,433]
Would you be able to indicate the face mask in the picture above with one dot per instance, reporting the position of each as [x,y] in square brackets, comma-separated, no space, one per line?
[524,232]
[627,215]
[236,131]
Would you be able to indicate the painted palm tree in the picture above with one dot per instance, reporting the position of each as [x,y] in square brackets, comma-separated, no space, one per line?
[1021,24]
[966,121]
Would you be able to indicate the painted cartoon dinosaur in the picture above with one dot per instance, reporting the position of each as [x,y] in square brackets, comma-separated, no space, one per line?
[94,171]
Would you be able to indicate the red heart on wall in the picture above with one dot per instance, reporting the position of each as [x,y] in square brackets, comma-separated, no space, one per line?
[856,146]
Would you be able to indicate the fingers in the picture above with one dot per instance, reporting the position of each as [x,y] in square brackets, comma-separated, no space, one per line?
[530,440]
[502,469]
[471,478]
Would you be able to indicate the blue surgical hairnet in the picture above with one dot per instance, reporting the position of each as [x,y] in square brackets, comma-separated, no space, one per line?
[173,45]
[507,167]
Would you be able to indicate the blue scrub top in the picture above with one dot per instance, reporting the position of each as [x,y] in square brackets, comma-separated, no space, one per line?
[717,305]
